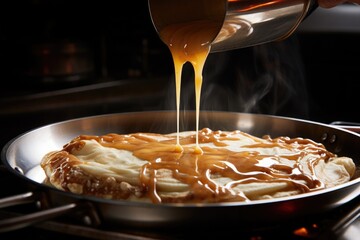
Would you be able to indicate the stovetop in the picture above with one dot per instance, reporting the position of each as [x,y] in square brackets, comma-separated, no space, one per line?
[342,223]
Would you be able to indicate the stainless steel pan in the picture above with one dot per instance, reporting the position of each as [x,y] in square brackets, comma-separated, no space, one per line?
[22,156]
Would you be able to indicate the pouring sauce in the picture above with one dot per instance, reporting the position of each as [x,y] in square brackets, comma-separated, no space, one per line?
[188,29]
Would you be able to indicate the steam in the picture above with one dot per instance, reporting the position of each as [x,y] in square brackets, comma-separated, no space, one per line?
[265,79]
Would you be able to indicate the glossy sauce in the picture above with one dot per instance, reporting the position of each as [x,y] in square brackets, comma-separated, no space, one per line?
[188,29]
[196,170]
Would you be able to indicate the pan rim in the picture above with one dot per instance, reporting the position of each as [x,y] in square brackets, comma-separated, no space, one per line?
[130,203]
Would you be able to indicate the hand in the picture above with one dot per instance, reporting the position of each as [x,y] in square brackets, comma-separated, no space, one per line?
[333,3]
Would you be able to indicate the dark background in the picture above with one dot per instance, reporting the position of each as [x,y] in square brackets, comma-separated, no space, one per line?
[65,59]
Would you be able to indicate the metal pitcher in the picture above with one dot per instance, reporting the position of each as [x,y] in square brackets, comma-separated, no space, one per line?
[244,23]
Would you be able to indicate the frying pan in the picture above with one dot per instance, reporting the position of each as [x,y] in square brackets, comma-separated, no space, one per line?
[22,156]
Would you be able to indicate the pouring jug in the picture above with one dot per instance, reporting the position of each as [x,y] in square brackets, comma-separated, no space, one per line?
[241,23]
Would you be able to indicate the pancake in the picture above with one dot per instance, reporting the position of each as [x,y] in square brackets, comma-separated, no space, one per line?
[232,166]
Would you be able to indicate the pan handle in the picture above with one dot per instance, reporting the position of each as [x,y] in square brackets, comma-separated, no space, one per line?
[351,126]
[13,223]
